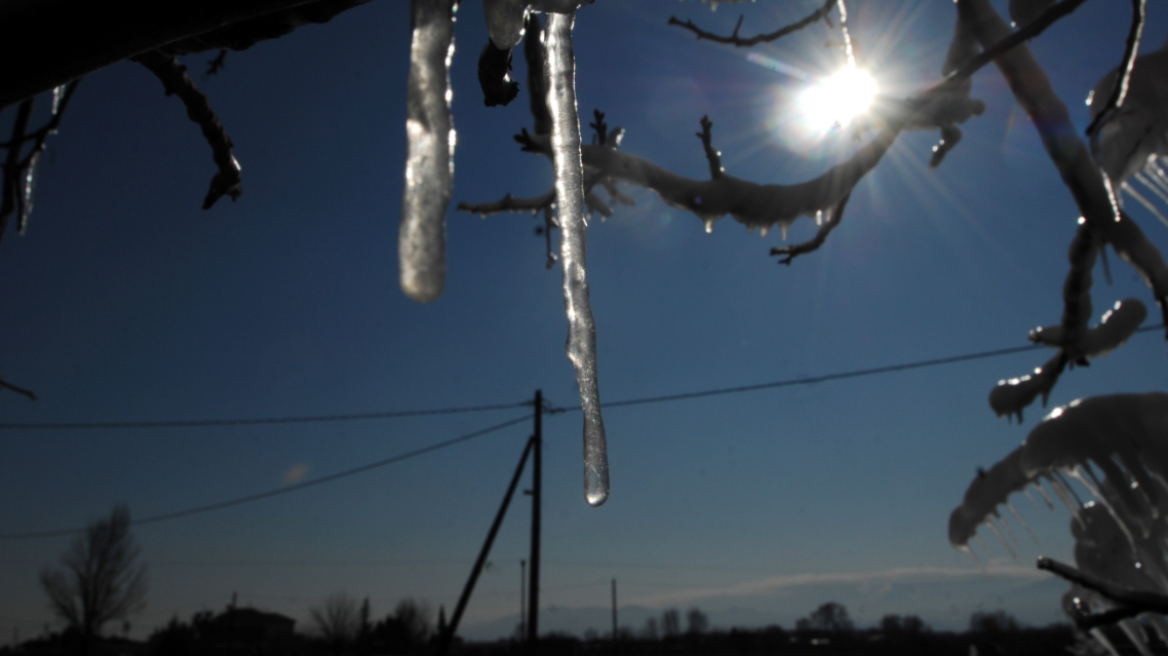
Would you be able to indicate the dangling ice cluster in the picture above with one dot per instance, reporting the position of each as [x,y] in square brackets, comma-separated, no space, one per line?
[1116,447]
[430,171]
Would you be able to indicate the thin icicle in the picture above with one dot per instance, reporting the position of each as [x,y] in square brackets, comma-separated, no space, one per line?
[1045,496]
[58,94]
[1101,638]
[1131,191]
[1135,633]
[27,188]
[1009,531]
[1033,501]
[429,152]
[843,17]
[1064,494]
[560,72]
[1018,517]
[1155,188]
[1001,538]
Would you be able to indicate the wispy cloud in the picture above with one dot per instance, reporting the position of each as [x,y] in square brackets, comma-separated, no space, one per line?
[772,584]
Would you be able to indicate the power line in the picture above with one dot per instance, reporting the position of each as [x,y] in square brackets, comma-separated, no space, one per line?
[282,490]
[201,423]
[811,380]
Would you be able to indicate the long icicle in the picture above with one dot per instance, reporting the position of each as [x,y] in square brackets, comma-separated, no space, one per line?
[429,152]
[561,99]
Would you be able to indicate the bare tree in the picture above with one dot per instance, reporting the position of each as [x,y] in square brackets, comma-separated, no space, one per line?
[670,623]
[100,578]
[697,621]
[338,620]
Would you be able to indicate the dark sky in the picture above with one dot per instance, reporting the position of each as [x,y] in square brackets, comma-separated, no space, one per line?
[126,302]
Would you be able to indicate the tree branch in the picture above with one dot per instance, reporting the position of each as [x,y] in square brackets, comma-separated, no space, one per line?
[739,42]
[1078,169]
[714,157]
[68,40]
[1130,51]
[830,220]
[19,390]
[176,82]
[1131,602]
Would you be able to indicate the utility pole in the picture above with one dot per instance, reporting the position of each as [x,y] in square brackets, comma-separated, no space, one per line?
[522,599]
[448,636]
[614,612]
[536,491]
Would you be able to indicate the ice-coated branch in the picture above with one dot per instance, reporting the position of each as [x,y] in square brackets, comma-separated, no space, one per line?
[29,164]
[1079,172]
[1142,602]
[1131,50]
[11,195]
[175,81]
[1008,39]
[751,204]
[429,177]
[510,204]
[828,220]
[565,140]
[1009,397]
[735,40]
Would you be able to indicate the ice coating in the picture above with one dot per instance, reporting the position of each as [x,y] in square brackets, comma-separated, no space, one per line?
[569,169]
[505,21]
[1010,396]
[429,151]
[1122,535]
[1139,129]
[27,187]
[1114,329]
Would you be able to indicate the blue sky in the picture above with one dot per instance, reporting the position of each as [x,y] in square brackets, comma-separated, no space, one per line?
[125,301]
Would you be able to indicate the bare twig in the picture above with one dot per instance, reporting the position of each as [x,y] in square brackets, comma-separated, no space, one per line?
[1130,51]
[1009,39]
[217,64]
[19,390]
[831,219]
[712,155]
[175,80]
[739,42]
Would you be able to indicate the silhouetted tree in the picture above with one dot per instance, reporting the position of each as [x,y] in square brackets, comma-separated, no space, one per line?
[897,624]
[100,578]
[999,621]
[670,623]
[337,621]
[697,622]
[406,630]
[649,632]
[832,617]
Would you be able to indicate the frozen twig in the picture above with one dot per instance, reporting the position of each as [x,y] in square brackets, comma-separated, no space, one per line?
[217,64]
[829,221]
[11,196]
[735,40]
[510,204]
[495,76]
[429,174]
[1131,50]
[1131,602]
[175,81]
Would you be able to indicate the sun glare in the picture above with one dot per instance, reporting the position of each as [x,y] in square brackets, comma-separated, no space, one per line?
[837,99]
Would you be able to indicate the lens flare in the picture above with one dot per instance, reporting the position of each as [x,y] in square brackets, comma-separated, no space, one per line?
[834,101]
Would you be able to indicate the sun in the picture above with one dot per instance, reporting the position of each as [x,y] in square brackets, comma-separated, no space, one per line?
[837,99]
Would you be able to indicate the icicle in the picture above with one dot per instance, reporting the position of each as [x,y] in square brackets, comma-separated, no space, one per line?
[980,541]
[1138,175]
[1136,634]
[26,191]
[58,94]
[561,100]
[1099,636]
[1001,538]
[1045,496]
[1018,517]
[429,153]
[1009,531]
[972,555]
[1131,191]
